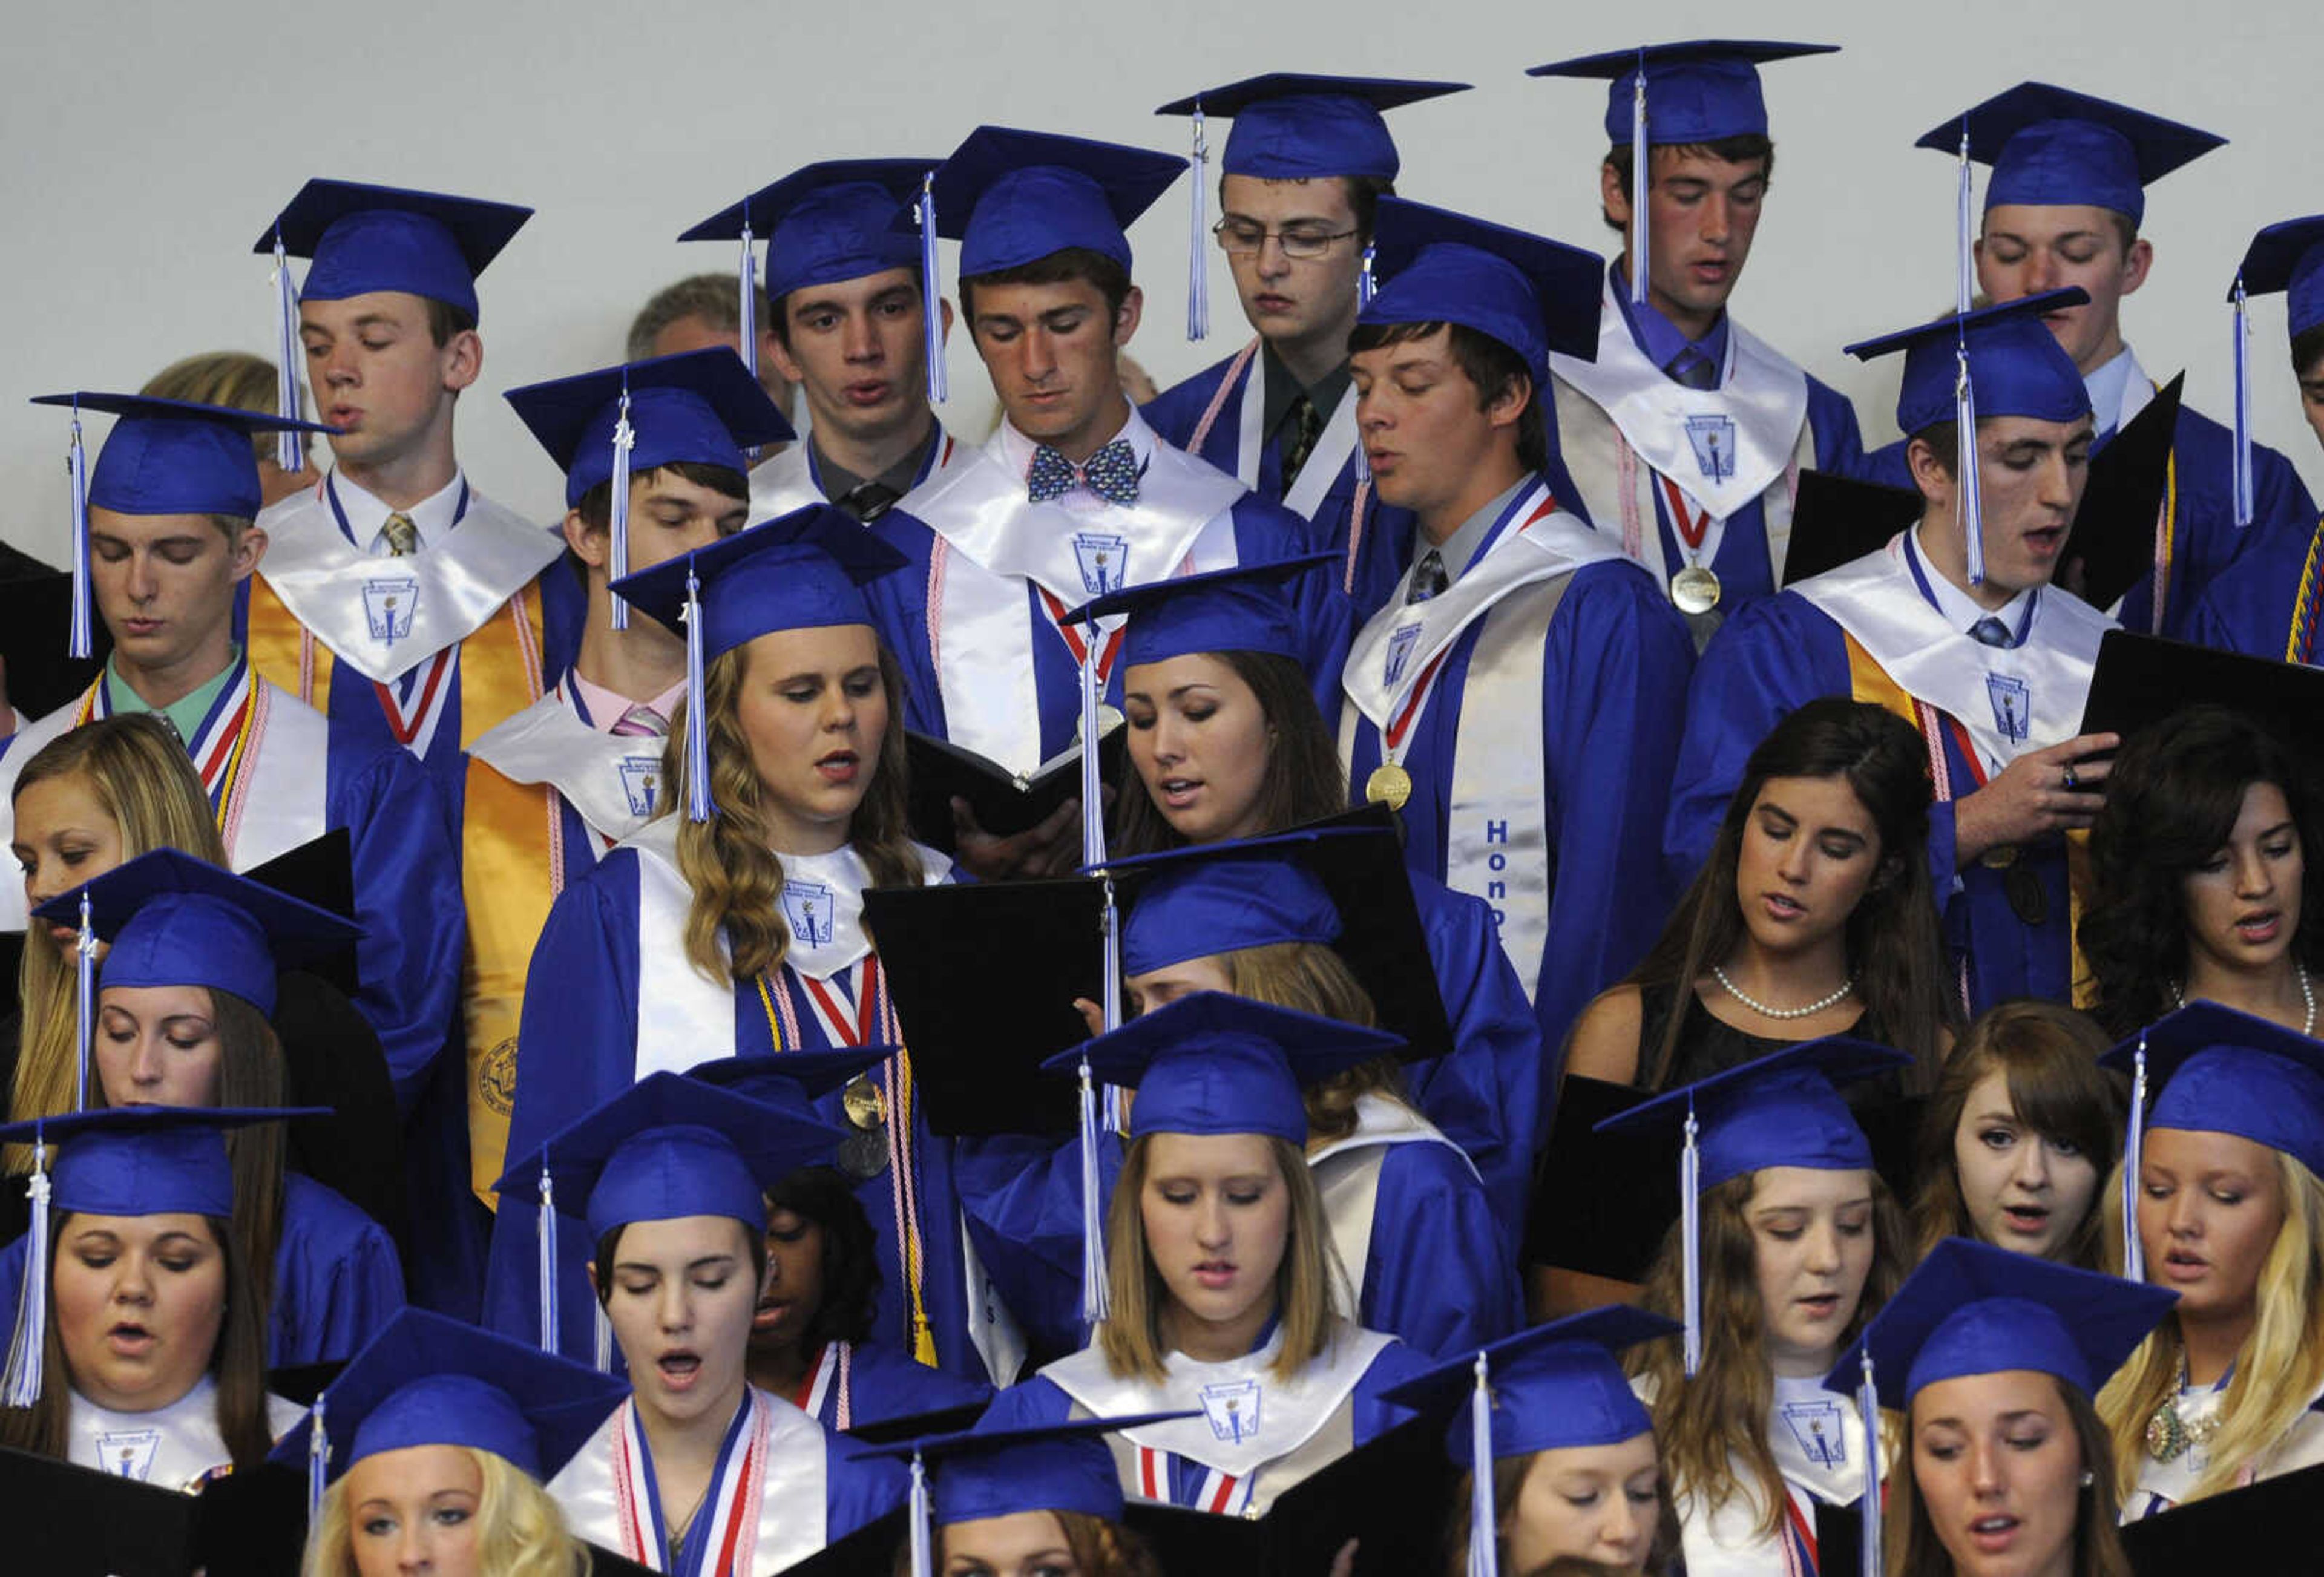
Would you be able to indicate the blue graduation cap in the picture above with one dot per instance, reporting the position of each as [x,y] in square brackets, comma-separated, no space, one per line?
[1247,608]
[666,1147]
[980,1473]
[1529,293]
[2001,360]
[2288,257]
[823,222]
[162,457]
[1781,1110]
[2215,1070]
[1549,1388]
[1677,94]
[1219,897]
[364,238]
[427,1379]
[800,571]
[2052,147]
[1011,197]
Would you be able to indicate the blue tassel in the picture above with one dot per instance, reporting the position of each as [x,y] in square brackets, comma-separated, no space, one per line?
[932,294]
[1968,283]
[2133,1157]
[1868,1403]
[1690,1170]
[76,639]
[289,450]
[923,1552]
[20,1386]
[746,304]
[1095,1300]
[1484,1522]
[1972,504]
[698,805]
[625,439]
[1641,183]
[2242,408]
[84,1000]
[547,1238]
[318,1459]
[1367,287]
[1198,270]
[603,1354]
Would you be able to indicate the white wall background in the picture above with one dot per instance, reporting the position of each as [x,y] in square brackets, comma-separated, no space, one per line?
[143,146]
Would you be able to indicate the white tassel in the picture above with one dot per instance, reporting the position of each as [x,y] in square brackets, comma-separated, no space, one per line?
[1097,1303]
[84,1001]
[698,805]
[922,1515]
[2243,480]
[604,1354]
[1198,270]
[625,439]
[1484,1522]
[1972,504]
[746,303]
[20,1386]
[2134,1153]
[1967,291]
[932,294]
[1367,287]
[1641,183]
[289,450]
[1689,1209]
[318,1459]
[547,1238]
[1868,1403]
[77,638]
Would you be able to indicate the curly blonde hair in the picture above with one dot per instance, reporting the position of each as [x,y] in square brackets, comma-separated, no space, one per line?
[520,1530]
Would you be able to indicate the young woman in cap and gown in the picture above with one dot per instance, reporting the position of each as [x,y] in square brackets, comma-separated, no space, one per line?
[1795,1241]
[2218,1199]
[434,1443]
[1212,1281]
[732,921]
[698,1471]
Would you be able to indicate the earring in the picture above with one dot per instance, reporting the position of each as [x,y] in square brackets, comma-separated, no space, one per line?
[2089,1478]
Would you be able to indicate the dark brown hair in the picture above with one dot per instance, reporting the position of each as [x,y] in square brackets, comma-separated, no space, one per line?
[1305,782]
[1492,369]
[611,1244]
[1508,1483]
[1736,150]
[446,320]
[851,1253]
[1364,193]
[596,505]
[1100,1548]
[2308,351]
[1073,263]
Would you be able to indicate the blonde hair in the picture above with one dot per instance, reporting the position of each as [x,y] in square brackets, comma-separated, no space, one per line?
[1312,979]
[232,378]
[2278,1369]
[728,861]
[142,775]
[1704,1424]
[520,1531]
[1132,1337]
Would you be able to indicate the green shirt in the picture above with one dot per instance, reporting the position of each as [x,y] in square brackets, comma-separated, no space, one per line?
[186,714]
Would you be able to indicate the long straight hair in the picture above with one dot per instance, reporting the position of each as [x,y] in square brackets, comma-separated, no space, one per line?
[1893,946]
[1911,1547]
[1303,783]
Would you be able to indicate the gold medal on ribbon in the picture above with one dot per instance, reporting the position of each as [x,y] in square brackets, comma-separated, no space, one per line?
[1389,785]
[1695,590]
[862,1099]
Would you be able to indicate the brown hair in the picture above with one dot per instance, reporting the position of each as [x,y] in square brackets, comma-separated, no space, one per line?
[1912,1548]
[1100,1548]
[1305,780]
[611,1244]
[596,506]
[237,1362]
[232,378]
[1736,150]
[1312,979]
[1508,1483]
[1132,1339]
[2049,1055]
[735,877]
[445,320]
[1062,267]
[712,297]
[1492,369]
[1705,1423]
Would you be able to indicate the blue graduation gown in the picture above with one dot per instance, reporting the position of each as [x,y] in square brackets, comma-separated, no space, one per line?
[1440,1271]
[884,1384]
[336,1280]
[2265,603]
[1775,657]
[581,1005]
[1373,552]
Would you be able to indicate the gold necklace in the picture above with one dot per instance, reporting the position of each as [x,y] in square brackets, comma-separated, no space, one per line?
[2167,1434]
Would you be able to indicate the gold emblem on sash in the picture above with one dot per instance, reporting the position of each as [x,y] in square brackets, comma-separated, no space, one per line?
[1695,589]
[1389,785]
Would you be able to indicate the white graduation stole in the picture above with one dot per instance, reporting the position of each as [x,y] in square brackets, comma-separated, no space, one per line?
[612,780]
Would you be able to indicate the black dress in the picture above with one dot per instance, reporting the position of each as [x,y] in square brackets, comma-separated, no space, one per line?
[1708,1044]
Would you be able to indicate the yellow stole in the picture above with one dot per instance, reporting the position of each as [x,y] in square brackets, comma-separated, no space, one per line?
[512,869]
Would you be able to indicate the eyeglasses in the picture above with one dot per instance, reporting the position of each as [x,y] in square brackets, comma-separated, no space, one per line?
[1303,243]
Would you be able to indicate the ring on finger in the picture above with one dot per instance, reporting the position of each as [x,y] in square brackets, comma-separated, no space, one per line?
[2070,783]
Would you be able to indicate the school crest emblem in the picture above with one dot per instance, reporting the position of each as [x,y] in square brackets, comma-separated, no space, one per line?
[2013,706]
[1232,1409]
[641,776]
[128,1453]
[1400,646]
[1105,560]
[806,910]
[1712,439]
[389,601]
[1818,1428]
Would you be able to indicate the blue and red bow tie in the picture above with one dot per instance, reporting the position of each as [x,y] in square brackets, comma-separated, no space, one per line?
[1112,473]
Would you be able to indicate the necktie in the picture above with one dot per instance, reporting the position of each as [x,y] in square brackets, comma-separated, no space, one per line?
[1303,424]
[641,722]
[1429,579]
[1990,632]
[1693,369]
[403,536]
[868,501]
[1112,473]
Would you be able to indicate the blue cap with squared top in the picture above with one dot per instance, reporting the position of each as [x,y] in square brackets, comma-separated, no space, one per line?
[1970,1308]
[177,458]
[1529,293]
[364,238]
[973,1474]
[1011,197]
[2052,147]
[1214,1064]
[174,920]
[1553,1387]
[1702,90]
[145,1160]
[427,1379]
[1781,1110]
[828,222]
[800,571]
[1289,126]
[1207,899]
[2015,364]
[2289,257]
[2219,1070]
[701,407]
[1247,608]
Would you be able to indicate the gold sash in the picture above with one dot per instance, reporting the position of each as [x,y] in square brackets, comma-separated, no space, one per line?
[512,869]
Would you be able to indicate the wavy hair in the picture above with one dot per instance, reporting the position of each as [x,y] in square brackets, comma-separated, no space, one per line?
[1911,1547]
[2278,1369]
[1892,942]
[1305,782]
[2171,802]
[521,1530]
[735,928]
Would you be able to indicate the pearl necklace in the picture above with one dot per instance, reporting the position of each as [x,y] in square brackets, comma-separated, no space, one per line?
[1810,1011]
[2179,998]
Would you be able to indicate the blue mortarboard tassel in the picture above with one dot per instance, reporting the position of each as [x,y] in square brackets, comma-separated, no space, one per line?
[601,1353]
[699,804]
[2243,406]
[318,1459]
[1367,287]
[1641,182]
[932,294]
[1868,1403]
[1690,1227]
[1967,293]
[1095,1302]
[1198,272]
[746,304]
[547,1237]
[922,1514]
[1484,1522]
[76,639]
[2133,1157]
[84,1000]
[20,1386]
[1972,504]
[625,439]
[288,453]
